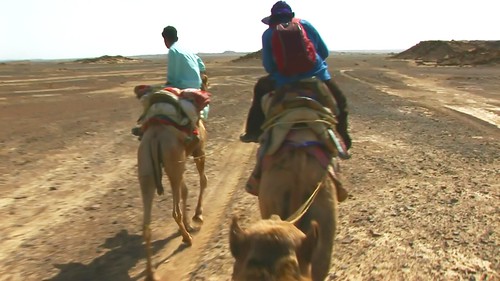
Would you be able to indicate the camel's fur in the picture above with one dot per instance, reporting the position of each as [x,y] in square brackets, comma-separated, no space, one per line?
[287,182]
[272,250]
[164,146]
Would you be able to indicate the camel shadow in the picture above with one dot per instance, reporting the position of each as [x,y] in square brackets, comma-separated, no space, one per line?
[125,251]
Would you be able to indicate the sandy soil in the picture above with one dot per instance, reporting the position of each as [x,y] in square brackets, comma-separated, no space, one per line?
[424,179]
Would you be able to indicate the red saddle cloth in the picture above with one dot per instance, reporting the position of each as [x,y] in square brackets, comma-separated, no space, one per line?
[199,98]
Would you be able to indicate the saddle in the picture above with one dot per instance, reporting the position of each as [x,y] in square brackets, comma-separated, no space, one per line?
[166,104]
[182,107]
[306,103]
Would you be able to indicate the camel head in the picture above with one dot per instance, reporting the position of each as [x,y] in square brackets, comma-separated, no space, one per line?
[272,250]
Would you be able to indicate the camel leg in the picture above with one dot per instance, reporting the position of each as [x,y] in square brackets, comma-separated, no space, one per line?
[146,182]
[148,192]
[150,275]
[200,166]
[184,194]
[177,183]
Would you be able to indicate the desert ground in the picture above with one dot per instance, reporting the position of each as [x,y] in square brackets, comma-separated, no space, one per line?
[424,177]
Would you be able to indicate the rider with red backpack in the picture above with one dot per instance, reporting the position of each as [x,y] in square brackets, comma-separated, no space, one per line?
[292,50]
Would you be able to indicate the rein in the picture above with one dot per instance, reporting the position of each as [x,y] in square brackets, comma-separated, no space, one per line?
[305,207]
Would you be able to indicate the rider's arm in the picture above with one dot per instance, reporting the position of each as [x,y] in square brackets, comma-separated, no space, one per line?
[267,54]
[201,65]
[316,39]
[172,69]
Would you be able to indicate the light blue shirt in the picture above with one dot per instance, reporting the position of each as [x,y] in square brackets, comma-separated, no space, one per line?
[183,68]
[320,70]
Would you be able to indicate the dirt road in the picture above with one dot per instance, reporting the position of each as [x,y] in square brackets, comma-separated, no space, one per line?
[424,179]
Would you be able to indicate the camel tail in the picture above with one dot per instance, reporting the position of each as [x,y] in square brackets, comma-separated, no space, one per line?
[156,158]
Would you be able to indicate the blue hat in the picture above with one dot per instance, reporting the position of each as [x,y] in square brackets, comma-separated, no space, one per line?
[280,8]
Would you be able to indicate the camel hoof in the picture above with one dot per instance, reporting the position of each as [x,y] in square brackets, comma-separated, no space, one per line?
[160,191]
[189,228]
[198,219]
[188,241]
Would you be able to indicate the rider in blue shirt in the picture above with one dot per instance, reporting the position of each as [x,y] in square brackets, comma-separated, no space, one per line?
[320,70]
[281,12]
[184,68]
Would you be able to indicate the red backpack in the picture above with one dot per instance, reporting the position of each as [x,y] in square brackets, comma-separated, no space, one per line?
[293,51]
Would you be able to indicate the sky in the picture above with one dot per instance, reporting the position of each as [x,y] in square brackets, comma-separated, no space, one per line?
[65,29]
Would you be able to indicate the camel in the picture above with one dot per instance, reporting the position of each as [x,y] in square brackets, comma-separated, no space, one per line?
[272,250]
[165,145]
[298,150]
[288,181]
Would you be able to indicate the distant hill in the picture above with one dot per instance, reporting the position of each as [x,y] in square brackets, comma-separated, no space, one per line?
[106,59]
[226,53]
[249,56]
[453,52]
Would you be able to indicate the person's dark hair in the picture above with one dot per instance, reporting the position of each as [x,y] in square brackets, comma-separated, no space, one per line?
[170,33]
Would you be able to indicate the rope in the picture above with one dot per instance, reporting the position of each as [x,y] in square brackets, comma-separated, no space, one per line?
[198,157]
[328,119]
[305,207]
[298,121]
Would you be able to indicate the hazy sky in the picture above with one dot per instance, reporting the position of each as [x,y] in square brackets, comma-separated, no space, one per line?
[54,29]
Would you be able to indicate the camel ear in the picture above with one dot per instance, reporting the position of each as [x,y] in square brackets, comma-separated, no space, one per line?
[236,237]
[309,243]
[275,217]
[141,90]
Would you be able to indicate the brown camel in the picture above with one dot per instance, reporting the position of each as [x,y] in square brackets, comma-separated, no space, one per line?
[298,151]
[164,146]
[272,250]
[286,184]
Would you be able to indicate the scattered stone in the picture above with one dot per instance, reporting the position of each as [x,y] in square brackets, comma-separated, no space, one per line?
[92,208]
[346,240]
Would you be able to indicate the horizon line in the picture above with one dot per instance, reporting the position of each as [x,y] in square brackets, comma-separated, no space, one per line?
[201,53]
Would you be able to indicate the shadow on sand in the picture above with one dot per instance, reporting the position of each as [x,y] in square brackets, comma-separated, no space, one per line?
[125,252]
